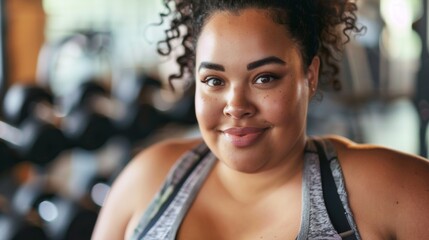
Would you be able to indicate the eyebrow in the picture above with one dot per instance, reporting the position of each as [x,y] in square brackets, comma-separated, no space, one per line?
[250,66]
[265,61]
[212,66]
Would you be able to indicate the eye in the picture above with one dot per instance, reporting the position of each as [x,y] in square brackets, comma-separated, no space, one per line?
[213,82]
[266,78]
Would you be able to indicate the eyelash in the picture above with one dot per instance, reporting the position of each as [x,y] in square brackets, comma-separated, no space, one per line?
[266,75]
[208,80]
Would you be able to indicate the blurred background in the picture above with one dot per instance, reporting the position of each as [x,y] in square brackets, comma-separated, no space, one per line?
[82,90]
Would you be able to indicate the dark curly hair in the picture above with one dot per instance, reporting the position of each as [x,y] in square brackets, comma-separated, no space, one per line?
[320,27]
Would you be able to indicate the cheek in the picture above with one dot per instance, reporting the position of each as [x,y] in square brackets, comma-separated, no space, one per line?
[276,107]
[206,110]
[283,106]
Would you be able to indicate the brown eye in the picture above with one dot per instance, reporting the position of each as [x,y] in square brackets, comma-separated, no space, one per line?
[265,79]
[213,82]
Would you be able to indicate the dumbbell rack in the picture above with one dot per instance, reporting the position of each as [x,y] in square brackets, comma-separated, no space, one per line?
[61,196]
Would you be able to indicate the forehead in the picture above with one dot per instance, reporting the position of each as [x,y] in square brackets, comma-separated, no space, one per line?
[249,34]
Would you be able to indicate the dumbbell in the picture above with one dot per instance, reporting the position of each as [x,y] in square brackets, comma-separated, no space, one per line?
[82,222]
[32,201]
[130,106]
[81,127]
[171,109]
[134,93]
[88,121]
[33,138]
[8,157]
[131,114]
[60,216]
[15,228]
[147,106]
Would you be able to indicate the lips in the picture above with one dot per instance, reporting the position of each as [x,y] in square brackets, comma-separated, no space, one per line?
[243,136]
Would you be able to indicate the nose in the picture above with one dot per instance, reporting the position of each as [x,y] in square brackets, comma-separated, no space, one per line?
[238,105]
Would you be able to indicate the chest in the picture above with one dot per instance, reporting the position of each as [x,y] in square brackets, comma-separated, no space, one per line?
[238,229]
[214,216]
[204,212]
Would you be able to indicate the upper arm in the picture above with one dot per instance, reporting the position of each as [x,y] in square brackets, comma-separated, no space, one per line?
[388,191]
[412,206]
[135,187]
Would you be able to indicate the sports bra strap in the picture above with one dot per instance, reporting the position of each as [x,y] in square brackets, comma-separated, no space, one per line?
[334,206]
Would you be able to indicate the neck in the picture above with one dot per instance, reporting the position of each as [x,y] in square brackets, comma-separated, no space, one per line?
[252,187]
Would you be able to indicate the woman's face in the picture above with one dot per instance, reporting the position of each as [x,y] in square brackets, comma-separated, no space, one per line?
[251,90]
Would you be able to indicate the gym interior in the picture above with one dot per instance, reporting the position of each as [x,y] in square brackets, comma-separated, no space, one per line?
[83,89]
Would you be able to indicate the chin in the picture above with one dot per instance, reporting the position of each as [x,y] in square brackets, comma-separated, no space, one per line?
[247,169]
[243,162]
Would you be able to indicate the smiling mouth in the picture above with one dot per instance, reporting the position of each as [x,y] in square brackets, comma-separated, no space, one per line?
[243,136]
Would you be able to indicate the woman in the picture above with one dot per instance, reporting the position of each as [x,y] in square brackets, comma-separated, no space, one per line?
[255,174]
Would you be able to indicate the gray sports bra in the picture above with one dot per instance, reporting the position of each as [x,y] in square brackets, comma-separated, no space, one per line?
[167,210]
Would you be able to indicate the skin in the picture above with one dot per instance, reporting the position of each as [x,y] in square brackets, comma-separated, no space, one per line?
[254,190]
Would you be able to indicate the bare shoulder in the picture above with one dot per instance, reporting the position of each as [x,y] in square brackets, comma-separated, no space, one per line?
[136,185]
[386,187]
[149,168]
[161,156]
[370,156]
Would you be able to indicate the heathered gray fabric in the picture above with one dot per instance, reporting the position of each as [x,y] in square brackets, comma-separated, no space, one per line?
[315,223]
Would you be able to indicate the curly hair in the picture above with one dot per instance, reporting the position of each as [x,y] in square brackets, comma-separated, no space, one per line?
[320,28]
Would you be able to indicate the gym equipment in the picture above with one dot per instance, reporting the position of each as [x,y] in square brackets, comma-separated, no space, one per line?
[60,215]
[128,110]
[9,158]
[29,129]
[24,101]
[137,117]
[18,227]
[35,141]
[13,228]
[148,108]
[88,120]
[82,127]
[86,54]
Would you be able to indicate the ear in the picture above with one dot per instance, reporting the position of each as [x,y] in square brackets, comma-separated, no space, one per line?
[313,75]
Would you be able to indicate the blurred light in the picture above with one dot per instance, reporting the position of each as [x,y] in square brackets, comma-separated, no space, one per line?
[53,7]
[11,103]
[48,211]
[99,193]
[398,14]
[399,40]
[6,226]
[11,134]
[408,45]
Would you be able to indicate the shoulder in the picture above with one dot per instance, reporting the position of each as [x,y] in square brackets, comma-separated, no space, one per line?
[381,160]
[149,168]
[386,187]
[161,156]
[136,185]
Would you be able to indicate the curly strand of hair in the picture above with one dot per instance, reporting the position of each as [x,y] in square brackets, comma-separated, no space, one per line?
[163,16]
[173,32]
[342,15]
[177,17]
[185,61]
[332,23]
